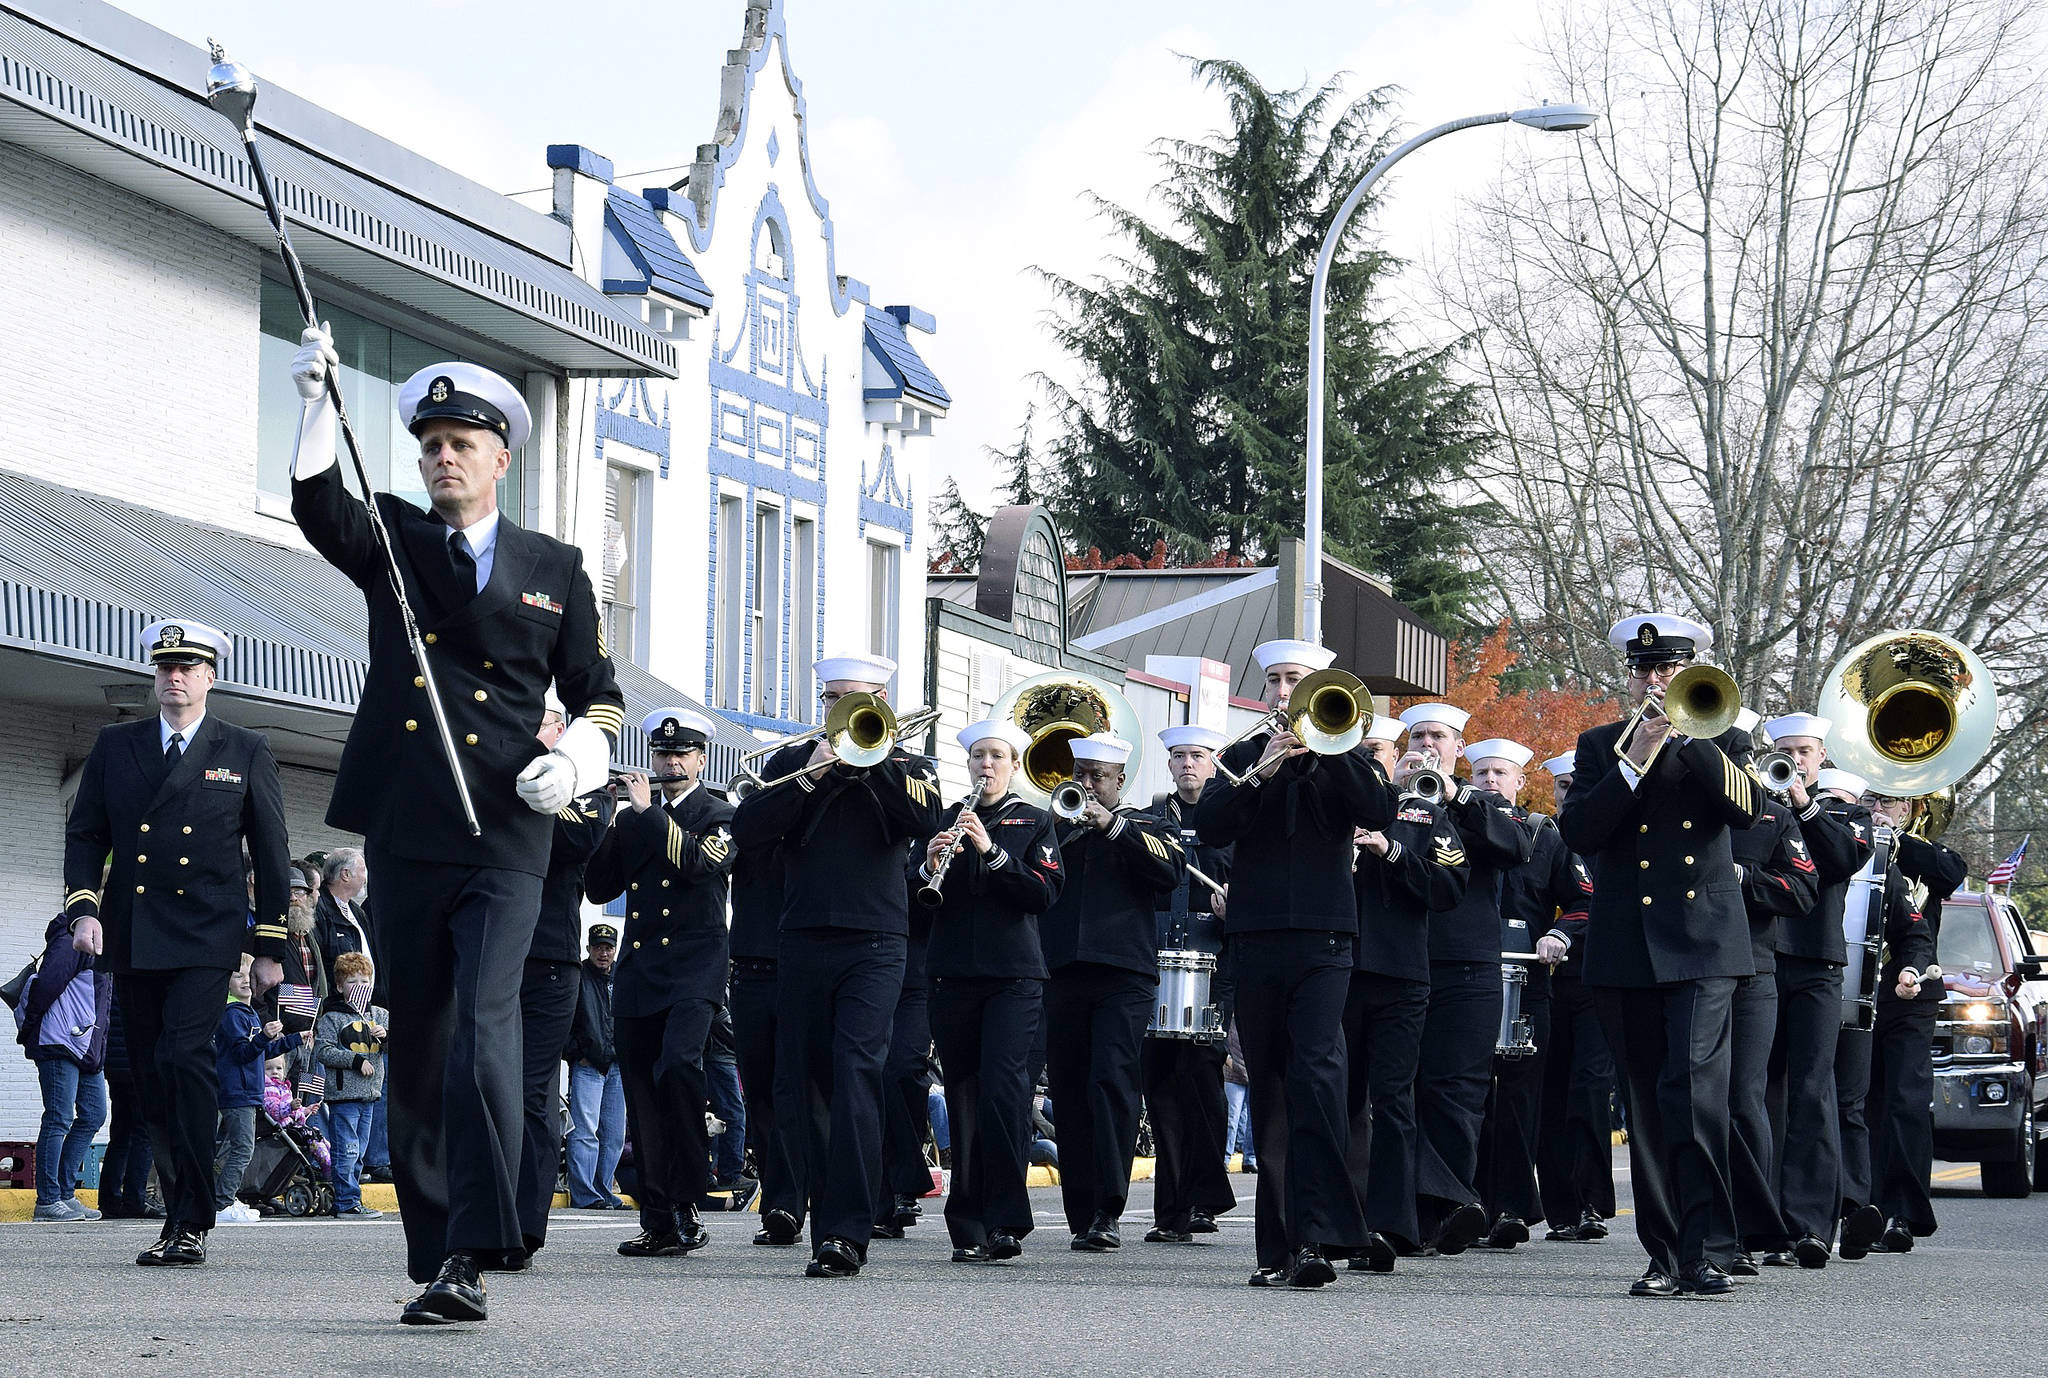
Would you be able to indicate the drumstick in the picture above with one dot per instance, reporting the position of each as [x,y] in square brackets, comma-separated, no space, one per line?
[1205,880]
[1527,957]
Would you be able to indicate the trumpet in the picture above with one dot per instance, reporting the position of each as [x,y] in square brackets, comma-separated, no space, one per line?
[1326,711]
[1429,784]
[862,729]
[1069,801]
[931,894]
[1701,701]
[1778,771]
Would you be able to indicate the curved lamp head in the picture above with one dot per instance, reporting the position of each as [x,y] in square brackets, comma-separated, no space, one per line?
[1558,118]
[231,88]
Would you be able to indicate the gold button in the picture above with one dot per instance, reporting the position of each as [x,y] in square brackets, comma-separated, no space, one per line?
[664,885]
[430,638]
[184,861]
[636,942]
[411,726]
[664,914]
[138,889]
[489,666]
[141,861]
[471,739]
[664,941]
[1643,828]
[634,915]
[1688,894]
[181,892]
[1646,899]
[1688,861]
[1687,824]
[145,827]
[636,885]
[419,681]
[481,696]
[188,827]
[1644,864]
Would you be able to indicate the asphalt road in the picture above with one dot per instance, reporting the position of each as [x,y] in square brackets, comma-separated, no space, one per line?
[323,1297]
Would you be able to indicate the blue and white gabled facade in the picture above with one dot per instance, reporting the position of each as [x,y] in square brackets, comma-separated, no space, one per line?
[773,487]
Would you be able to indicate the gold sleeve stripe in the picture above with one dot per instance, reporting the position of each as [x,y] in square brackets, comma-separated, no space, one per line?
[76,895]
[608,716]
[675,845]
[1155,846]
[918,789]
[568,813]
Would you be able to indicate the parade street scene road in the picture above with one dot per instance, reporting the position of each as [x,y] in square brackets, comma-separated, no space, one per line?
[74,1304]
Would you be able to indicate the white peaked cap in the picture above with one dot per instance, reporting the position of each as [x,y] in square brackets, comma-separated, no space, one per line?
[1659,631]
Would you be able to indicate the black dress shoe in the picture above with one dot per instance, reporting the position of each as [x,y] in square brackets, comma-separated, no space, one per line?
[885,1229]
[1703,1279]
[1591,1226]
[1564,1234]
[455,1296]
[907,1213]
[1654,1284]
[690,1231]
[971,1253]
[153,1256]
[1460,1230]
[1743,1265]
[1860,1229]
[1103,1234]
[1310,1268]
[648,1244]
[1201,1222]
[1159,1234]
[503,1261]
[1002,1244]
[1268,1277]
[1508,1231]
[1376,1257]
[182,1249]
[1897,1237]
[778,1227]
[836,1258]
[1810,1251]
[1780,1258]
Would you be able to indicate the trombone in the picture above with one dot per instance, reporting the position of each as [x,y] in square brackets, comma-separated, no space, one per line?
[1701,701]
[862,729]
[1326,710]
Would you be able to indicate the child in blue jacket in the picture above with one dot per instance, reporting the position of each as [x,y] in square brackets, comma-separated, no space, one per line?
[241,1045]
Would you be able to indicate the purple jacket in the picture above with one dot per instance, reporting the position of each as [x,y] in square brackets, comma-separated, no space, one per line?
[67,1007]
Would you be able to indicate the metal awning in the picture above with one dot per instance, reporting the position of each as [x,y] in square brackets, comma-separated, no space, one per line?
[81,575]
[150,132]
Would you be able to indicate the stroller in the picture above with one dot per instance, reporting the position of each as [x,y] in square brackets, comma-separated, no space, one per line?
[291,1167]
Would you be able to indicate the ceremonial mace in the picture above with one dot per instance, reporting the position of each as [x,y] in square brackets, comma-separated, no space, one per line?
[231,90]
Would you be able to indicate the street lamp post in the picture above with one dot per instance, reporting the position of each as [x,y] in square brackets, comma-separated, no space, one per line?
[1557,118]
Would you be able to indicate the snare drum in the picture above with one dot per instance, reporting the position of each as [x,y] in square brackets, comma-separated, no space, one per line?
[1517,1036]
[1181,1007]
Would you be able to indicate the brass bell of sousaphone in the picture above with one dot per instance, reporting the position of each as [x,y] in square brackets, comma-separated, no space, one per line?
[1914,711]
[1053,709]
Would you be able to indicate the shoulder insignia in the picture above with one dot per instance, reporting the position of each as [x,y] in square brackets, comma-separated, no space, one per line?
[569,813]
[1155,846]
[1048,859]
[1447,856]
[918,788]
[717,845]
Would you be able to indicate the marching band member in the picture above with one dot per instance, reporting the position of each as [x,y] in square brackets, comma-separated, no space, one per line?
[1810,956]
[1901,1069]
[1291,920]
[673,862]
[1779,883]
[846,835]
[906,1090]
[1541,903]
[755,942]
[1464,990]
[1574,1152]
[1103,971]
[988,989]
[1183,1077]
[1666,942]
[1414,865]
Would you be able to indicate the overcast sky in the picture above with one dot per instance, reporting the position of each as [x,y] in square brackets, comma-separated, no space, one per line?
[953,138]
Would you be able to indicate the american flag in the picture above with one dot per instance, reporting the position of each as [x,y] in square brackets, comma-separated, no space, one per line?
[2004,871]
[299,1000]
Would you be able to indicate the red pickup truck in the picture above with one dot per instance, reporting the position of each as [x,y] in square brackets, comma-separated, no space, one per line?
[1991,1044]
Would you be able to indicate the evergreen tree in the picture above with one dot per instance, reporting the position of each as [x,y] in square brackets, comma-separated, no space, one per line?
[1189,418]
[958,531]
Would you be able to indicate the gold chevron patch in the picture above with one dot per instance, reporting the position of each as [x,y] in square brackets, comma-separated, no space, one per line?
[716,848]
[1446,857]
[919,789]
[1155,846]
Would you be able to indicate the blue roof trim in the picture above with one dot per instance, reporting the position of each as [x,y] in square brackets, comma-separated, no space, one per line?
[581,159]
[904,365]
[654,251]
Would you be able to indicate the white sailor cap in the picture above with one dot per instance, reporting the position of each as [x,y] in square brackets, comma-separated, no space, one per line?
[1191,734]
[1561,765]
[676,729]
[1854,786]
[1101,746]
[1498,747]
[854,669]
[1451,717]
[551,702]
[1798,725]
[1002,729]
[1657,638]
[1747,720]
[181,641]
[1384,729]
[1284,652]
[468,393]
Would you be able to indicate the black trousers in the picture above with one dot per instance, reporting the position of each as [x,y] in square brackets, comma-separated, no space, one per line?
[661,1070]
[1451,1085]
[452,944]
[547,1008]
[1183,1082]
[1383,1019]
[1853,1056]
[1575,1151]
[985,1028]
[171,1016]
[1752,1162]
[1291,987]
[835,1010]
[1806,1140]
[124,1173]
[1514,1118]
[752,992]
[1670,1043]
[906,1114]
[1095,1019]
[1901,1114]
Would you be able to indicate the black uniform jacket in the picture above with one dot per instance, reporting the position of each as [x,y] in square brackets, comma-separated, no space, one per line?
[671,861]
[1942,872]
[1188,922]
[1837,838]
[493,654]
[1498,839]
[1779,880]
[590,1035]
[845,838]
[1424,870]
[580,825]
[757,886]
[1115,883]
[988,925]
[1292,835]
[169,843]
[1908,940]
[1548,894]
[1666,906]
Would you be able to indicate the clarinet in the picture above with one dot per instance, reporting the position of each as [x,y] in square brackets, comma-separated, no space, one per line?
[929,895]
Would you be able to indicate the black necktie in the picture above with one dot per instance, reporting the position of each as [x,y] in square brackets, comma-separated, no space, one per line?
[175,750]
[465,563]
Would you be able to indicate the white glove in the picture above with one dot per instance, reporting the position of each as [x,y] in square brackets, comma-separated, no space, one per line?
[548,783]
[311,366]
